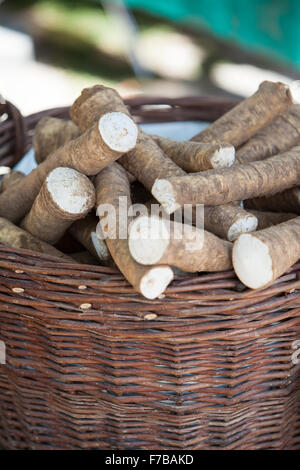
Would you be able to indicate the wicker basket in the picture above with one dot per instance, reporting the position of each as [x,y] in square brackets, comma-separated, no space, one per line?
[214,370]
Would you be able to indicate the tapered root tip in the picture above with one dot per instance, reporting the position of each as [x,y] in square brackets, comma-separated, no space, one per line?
[163,192]
[242,225]
[148,239]
[224,157]
[295,91]
[155,281]
[118,131]
[252,261]
[72,191]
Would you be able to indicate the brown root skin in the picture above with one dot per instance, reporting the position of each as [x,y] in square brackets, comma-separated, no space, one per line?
[147,162]
[267,219]
[85,232]
[154,241]
[87,154]
[54,210]
[10,179]
[277,137]
[215,187]
[228,221]
[93,103]
[16,237]
[51,133]
[197,156]
[243,121]
[112,183]
[286,201]
[261,257]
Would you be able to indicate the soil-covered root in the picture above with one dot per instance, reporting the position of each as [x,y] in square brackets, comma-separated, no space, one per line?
[104,142]
[243,121]
[229,221]
[10,179]
[197,156]
[111,184]
[16,237]
[153,240]
[285,201]
[244,181]
[65,196]
[93,103]
[50,133]
[279,136]
[147,162]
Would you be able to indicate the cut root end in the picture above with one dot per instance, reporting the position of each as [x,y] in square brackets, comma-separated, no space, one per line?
[295,91]
[224,157]
[155,281]
[148,239]
[72,191]
[252,261]
[163,192]
[242,225]
[118,131]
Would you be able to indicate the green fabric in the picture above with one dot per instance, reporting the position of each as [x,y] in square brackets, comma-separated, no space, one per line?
[268,26]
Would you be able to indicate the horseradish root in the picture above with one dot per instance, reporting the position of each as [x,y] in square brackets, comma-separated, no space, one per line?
[147,162]
[112,183]
[51,133]
[244,120]
[153,240]
[16,237]
[65,196]
[228,221]
[104,142]
[85,232]
[279,136]
[267,219]
[10,179]
[216,187]
[197,156]
[261,257]
[93,102]
[287,201]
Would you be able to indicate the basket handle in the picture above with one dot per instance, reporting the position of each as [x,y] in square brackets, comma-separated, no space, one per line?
[19,125]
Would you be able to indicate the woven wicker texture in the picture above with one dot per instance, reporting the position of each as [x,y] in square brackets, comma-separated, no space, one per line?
[87,369]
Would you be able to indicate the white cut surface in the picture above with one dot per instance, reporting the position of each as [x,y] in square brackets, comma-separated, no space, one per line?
[224,157]
[295,91]
[252,261]
[242,225]
[155,281]
[163,192]
[118,131]
[148,239]
[72,191]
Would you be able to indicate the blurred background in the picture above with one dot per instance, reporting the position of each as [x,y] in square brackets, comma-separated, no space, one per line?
[51,49]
